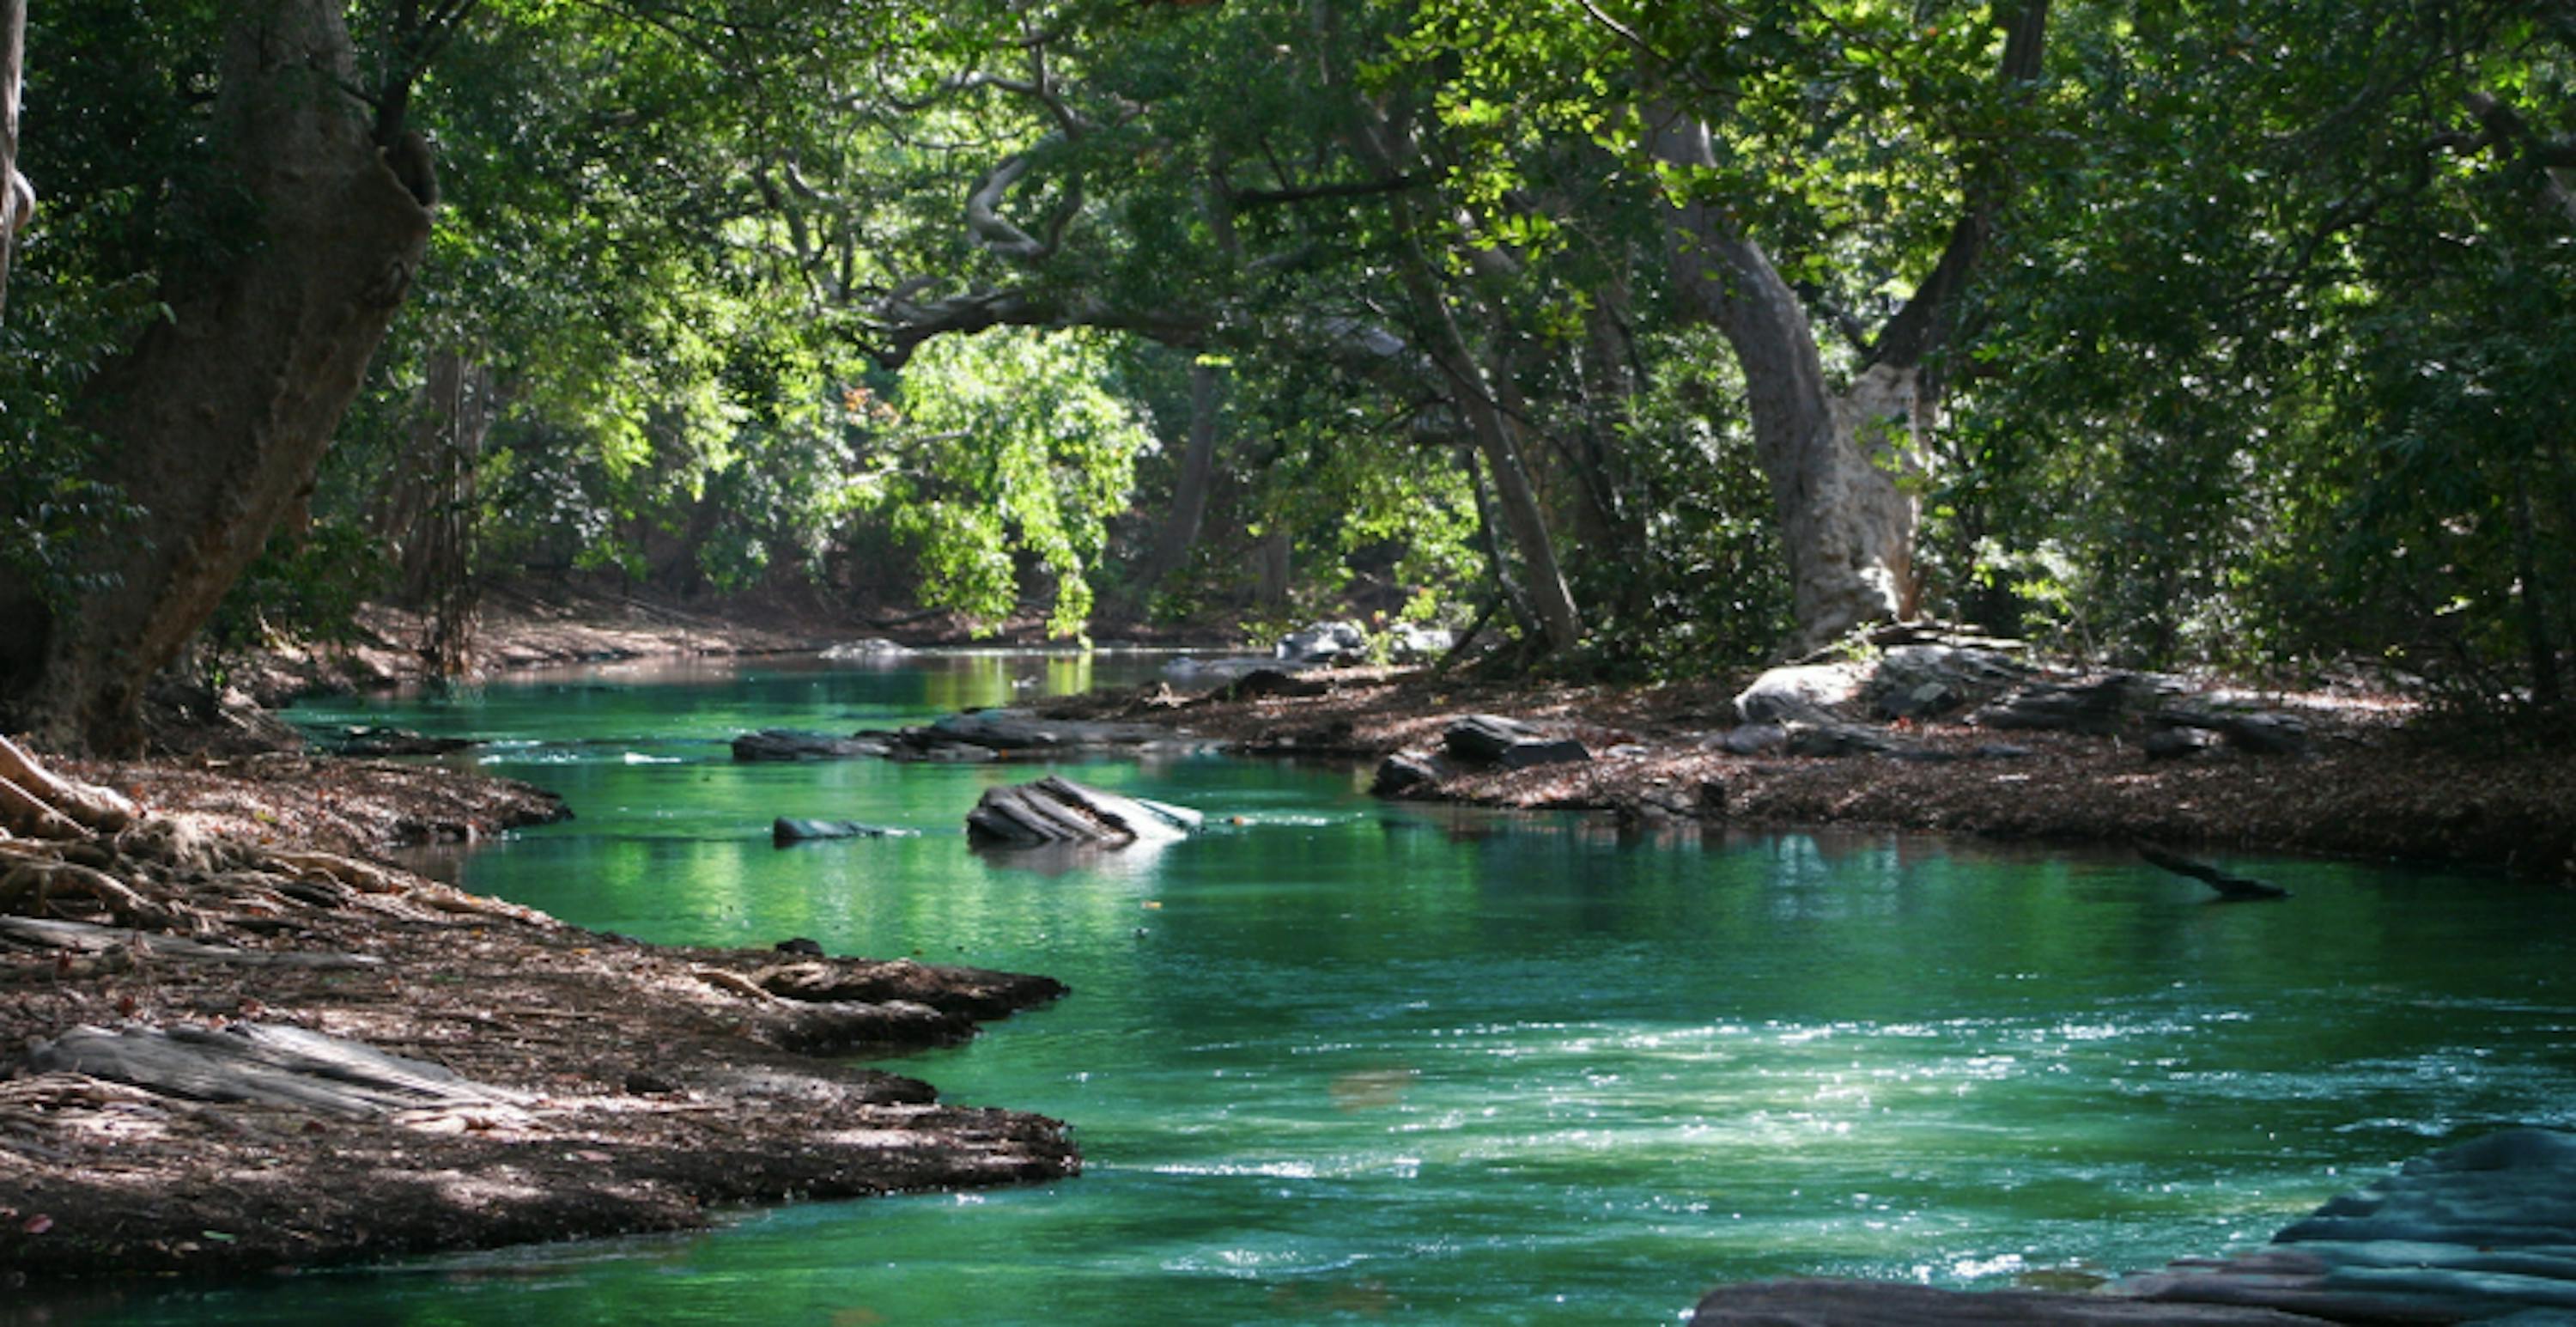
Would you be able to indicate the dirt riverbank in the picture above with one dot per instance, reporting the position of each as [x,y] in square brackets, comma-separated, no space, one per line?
[2368,784]
[553,1082]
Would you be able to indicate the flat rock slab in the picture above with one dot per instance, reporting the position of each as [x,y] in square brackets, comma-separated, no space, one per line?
[1490,739]
[2484,1230]
[1020,730]
[790,744]
[1056,810]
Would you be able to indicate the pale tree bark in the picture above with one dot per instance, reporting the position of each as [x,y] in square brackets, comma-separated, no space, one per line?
[17,197]
[1839,459]
[215,421]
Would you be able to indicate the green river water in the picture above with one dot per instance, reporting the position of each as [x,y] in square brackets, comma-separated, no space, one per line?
[1342,1061]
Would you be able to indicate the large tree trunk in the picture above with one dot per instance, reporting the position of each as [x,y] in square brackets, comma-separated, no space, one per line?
[1832,458]
[17,198]
[216,419]
[1837,461]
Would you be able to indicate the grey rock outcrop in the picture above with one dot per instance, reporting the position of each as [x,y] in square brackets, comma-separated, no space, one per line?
[1323,644]
[1807,693]
[1926,681]
[1056,810]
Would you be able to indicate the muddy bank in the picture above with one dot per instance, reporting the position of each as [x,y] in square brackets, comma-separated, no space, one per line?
[2367,785]
[611,1086]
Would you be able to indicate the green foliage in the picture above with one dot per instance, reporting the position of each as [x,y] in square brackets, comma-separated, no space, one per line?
[1708,590]
[1006,445]
[305,586]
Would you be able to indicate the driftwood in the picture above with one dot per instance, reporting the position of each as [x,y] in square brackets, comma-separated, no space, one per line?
[2232,888]
[263,1063]
[38,803]
[83,938]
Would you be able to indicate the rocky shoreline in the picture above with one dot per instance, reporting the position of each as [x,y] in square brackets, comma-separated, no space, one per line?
[2357,781]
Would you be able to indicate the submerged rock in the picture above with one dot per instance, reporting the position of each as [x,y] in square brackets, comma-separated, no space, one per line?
[366,741]
[786,830]
[1019,730]
[792,744]
[1056,810]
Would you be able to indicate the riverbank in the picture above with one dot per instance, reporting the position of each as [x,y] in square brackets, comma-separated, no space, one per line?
[2368,782]
[196,1009]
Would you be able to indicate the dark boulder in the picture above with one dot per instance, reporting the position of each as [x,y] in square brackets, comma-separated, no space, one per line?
[1262,682]
[1490,739]
[1406,771]
[1543,751]
[1020,730]
[2100,706]
[2254,731]
[366,741]
[1482,739]
[1926,681]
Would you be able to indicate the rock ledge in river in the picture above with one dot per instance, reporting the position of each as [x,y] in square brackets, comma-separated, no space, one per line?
[1056,810]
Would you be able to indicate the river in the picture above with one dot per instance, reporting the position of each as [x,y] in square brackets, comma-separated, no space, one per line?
[1335,1060]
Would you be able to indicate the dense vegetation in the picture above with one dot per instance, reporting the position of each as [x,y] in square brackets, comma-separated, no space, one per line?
[1669,337]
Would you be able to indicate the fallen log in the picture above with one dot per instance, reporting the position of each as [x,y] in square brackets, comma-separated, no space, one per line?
[30,790]
[83,938]
[267,1064]
[2232,888]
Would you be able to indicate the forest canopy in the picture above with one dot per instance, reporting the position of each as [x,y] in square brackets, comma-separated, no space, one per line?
[1665,338]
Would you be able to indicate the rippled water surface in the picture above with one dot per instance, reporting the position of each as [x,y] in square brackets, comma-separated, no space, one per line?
[1342,1062]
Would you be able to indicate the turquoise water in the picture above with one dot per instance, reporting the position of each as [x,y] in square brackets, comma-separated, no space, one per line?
[1342,1062]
